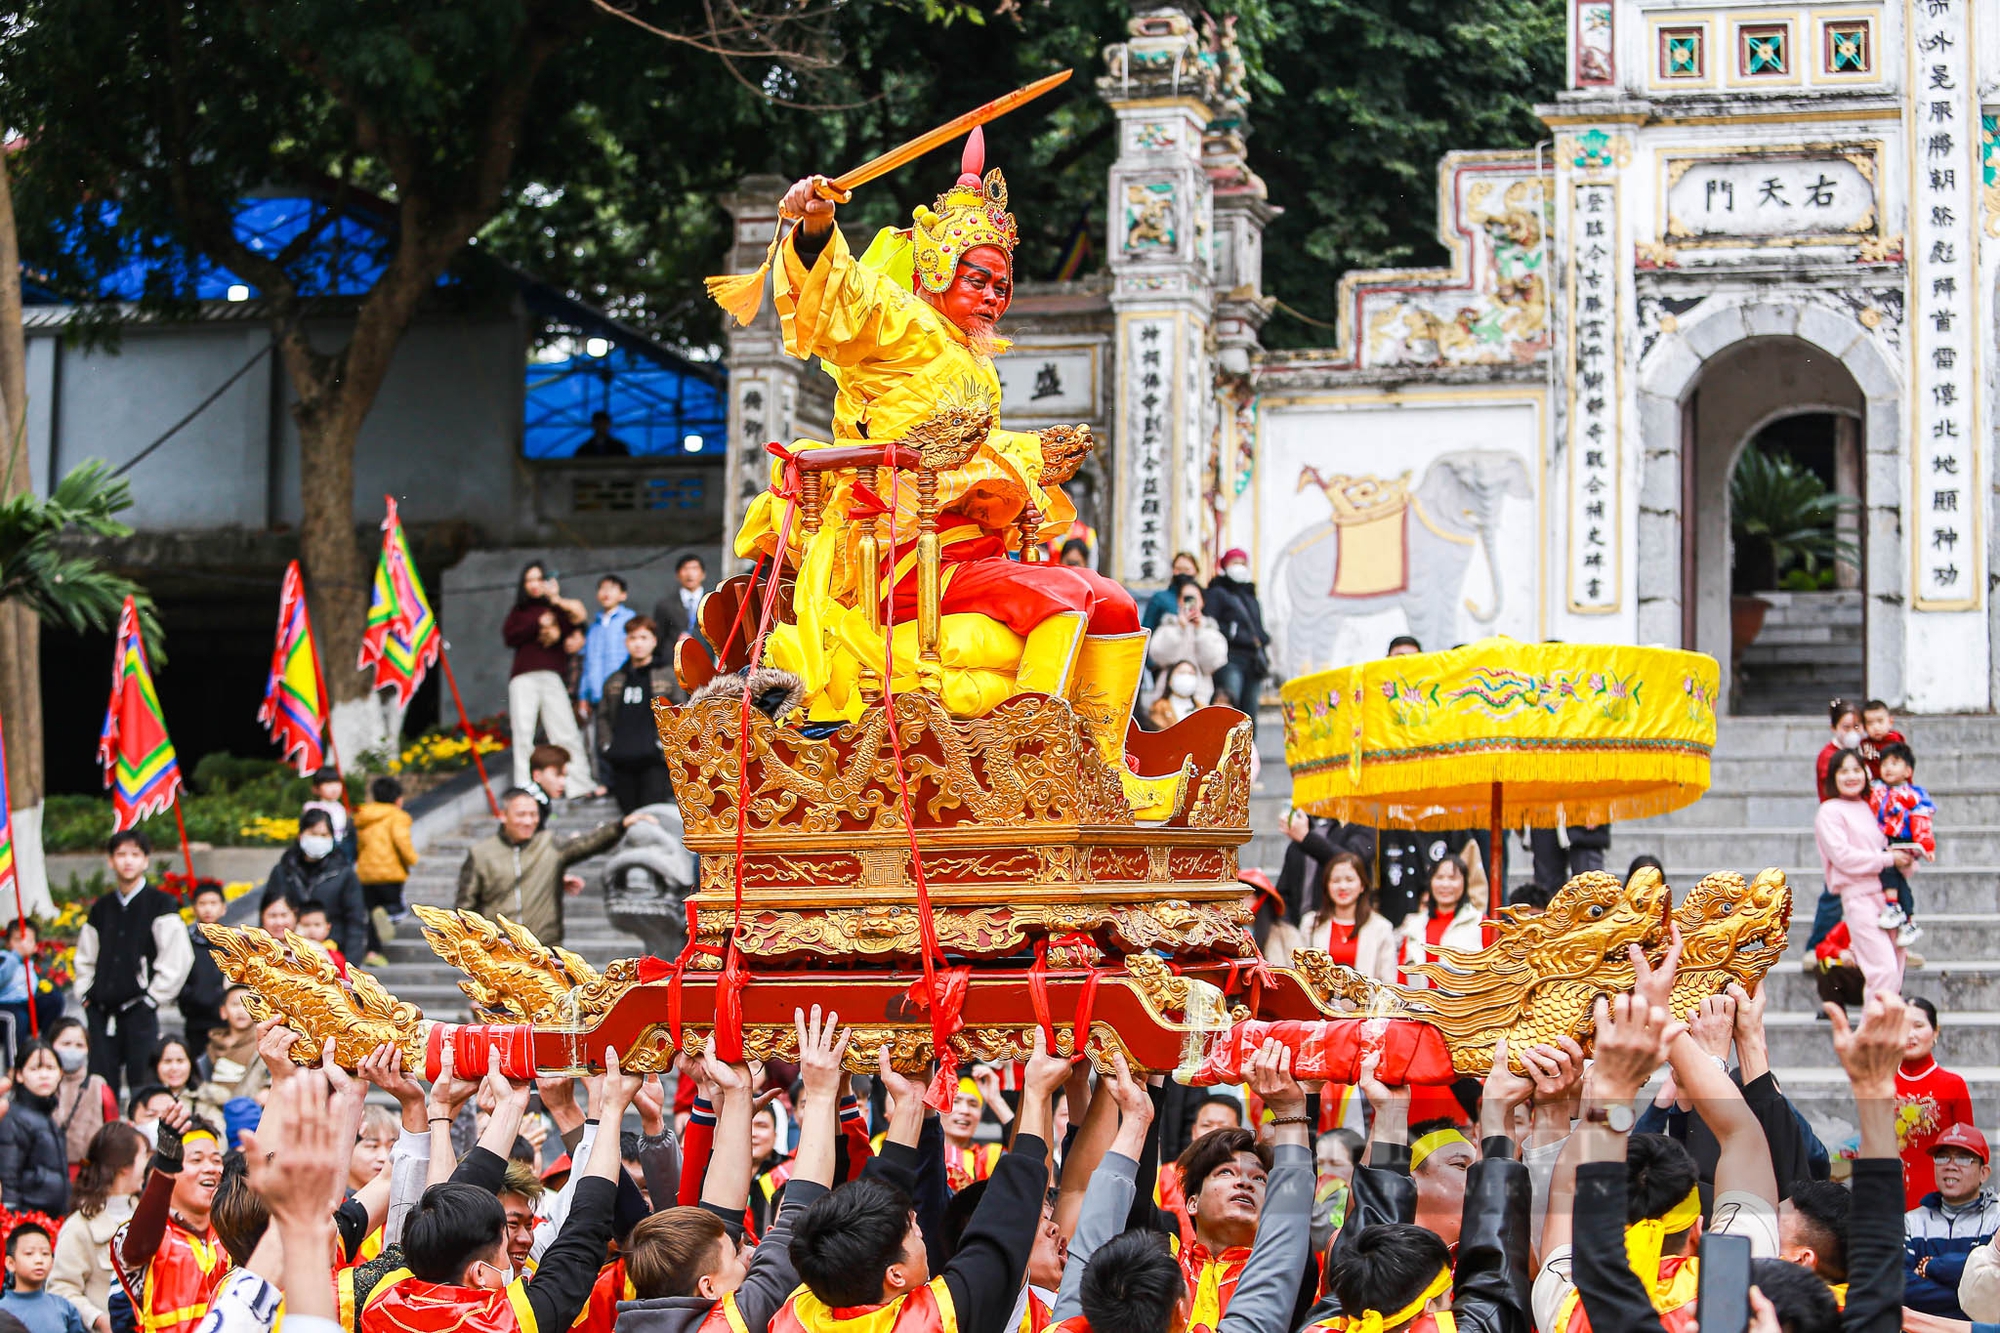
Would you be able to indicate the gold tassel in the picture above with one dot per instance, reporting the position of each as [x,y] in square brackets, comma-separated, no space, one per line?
[742,294]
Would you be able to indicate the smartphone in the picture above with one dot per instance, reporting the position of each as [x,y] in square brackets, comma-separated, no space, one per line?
[1724,1297]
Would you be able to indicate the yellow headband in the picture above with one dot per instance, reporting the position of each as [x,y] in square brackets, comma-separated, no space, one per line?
[1431,1142]
[1374,1321]
[1644,1238]
[199,1132]
[967,1088]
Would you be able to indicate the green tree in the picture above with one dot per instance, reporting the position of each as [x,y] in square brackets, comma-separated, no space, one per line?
[1356,102]
[149,123]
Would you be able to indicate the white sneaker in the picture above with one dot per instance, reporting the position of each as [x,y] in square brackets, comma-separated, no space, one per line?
[1908,935]
[1892,917]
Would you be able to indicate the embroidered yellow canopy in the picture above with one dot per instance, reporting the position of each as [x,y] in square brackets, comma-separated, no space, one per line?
[1505,732]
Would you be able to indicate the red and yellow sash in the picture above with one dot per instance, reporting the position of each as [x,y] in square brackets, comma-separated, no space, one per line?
[411,1305]
[1673,1298]
[180,1280]
[1212,1280]
[725,1317]
[1036,1317]
[964,1166]
[600,1308]
[925,1309]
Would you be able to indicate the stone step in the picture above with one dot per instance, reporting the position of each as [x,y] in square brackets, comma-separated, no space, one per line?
[1822,1095]
[1960,846]
[1803,661]
[1947,937]
[1782,772]
[1955,987]
[1801,1039]
[1808,731]
[1965,889]
[1732,809]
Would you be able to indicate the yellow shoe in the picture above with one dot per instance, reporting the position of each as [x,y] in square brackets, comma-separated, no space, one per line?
[1106,686]
[1048,661]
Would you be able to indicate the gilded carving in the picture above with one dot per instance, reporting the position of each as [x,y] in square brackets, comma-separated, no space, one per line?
[510,976]
[1223,798]
[294,981]
[1026,762]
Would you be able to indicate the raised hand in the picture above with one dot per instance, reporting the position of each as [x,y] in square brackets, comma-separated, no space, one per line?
[651,1104]
[618,1091]
[1871,1052]
[822,1048]
[497,1085]
[903,1091]
[450,1092]
[1503,1087]
[1713,1024]
[338,1081]
[383,1067]
[1270,1077]
[1632,1042]
[1557,1070]
[1654,986]
[1045,1072]
[274,1047]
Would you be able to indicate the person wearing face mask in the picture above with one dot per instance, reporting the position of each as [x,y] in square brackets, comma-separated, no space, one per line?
[1231,601]
[1187,648]
[315,870]
[84,1102]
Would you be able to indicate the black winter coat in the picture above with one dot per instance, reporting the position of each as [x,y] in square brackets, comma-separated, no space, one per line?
[34,1165]
[330,882]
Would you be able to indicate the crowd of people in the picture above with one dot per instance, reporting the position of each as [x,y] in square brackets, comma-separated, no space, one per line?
[159,1183]
[795,1197]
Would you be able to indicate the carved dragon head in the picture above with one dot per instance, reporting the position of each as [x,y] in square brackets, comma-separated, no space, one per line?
[294,981]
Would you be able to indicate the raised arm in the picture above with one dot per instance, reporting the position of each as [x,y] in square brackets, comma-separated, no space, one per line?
[726,1189]
[1743,1164]
[1108,1197]
[1870,1054]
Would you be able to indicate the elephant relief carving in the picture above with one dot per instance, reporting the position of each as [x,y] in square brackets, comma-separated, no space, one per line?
[1391,544]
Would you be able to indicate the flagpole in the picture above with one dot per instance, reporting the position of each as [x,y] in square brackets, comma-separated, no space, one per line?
[187,855]
[465,725]
[319,682]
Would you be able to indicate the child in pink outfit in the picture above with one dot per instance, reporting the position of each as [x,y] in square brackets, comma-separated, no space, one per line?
[1854,854]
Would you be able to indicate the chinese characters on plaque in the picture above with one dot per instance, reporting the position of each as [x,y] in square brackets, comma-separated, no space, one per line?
[1149,415]
[1803,198]
[1945,498]
[1593,409]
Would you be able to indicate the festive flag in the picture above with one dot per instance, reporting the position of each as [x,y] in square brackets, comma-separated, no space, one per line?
[1077,252]
[7,875]
[135,752]
[295,697]
[401,640]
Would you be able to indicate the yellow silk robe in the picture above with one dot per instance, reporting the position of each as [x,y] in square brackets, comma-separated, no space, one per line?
[895,361]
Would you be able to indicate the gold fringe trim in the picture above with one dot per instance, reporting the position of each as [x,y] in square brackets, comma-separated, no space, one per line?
[1450,791]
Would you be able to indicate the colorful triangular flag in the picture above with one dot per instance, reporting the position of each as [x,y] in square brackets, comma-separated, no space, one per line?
[295,704]
[401,640]
[135,751]
[8,877]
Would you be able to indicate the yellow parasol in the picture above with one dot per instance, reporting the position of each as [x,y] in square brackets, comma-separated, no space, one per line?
[1503,733]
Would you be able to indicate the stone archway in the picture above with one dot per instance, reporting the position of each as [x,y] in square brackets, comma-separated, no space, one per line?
[1827,362]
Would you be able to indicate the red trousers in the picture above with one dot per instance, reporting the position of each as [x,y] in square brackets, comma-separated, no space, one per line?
[1021,596]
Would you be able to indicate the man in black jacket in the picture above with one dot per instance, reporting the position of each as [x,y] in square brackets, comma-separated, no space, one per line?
[1231,601]
[132,957]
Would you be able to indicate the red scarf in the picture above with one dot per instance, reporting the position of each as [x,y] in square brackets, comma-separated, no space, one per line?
[1211,1280]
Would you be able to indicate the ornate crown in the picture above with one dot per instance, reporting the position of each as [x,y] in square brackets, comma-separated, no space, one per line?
[972,212]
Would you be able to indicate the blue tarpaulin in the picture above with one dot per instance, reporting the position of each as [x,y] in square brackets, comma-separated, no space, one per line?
[655,408]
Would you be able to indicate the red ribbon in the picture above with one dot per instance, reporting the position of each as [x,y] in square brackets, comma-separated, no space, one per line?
[1038,992]
[1260,976]
[944,1009]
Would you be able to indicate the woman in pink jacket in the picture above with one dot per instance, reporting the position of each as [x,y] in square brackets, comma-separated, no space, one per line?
[1854,854]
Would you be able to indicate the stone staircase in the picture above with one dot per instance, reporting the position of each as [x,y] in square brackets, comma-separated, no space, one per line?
[415,973]
[1758,813]
[1809,651]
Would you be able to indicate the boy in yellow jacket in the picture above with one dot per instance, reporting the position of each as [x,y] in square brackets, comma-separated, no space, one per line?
[383,857]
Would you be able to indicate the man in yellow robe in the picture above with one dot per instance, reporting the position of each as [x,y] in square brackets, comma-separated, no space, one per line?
[907,332]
